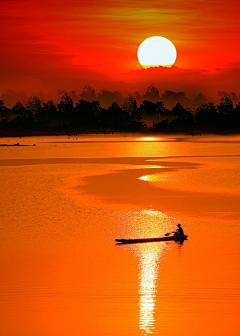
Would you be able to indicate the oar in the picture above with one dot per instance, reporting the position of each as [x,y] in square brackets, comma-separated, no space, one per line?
[167,234]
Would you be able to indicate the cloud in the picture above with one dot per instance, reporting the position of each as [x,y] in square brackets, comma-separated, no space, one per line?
[189,80]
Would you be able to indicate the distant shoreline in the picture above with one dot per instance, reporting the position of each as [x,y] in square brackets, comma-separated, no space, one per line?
[108,132]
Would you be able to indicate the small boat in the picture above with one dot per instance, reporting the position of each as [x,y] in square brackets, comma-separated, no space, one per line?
[151,240]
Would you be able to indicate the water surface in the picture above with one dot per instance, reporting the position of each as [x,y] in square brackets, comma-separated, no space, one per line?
[65,200]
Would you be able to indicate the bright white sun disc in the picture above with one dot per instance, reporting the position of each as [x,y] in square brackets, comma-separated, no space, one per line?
[156,51]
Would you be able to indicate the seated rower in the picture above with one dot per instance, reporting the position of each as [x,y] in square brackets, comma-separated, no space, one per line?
[179,232]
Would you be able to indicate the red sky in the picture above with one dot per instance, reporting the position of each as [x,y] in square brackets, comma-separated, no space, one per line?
[64,44]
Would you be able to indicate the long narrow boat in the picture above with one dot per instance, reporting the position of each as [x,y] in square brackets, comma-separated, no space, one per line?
[150,240]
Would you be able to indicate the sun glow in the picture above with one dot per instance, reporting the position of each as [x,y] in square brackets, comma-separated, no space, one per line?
[156,51]
[149,138]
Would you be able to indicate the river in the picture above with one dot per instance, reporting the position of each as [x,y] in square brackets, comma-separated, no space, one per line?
[64,201]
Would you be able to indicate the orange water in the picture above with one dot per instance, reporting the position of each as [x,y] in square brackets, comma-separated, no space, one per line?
[65,200]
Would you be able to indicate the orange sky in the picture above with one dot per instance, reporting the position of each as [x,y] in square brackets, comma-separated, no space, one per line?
[64,44]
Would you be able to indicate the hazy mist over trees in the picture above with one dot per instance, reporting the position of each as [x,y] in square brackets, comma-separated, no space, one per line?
[110,111]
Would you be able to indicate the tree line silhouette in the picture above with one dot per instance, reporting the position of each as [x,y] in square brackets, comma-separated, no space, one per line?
[110,111]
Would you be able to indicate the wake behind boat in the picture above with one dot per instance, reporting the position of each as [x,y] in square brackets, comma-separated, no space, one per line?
[151,240]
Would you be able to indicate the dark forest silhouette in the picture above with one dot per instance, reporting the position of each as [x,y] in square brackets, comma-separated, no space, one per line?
[112,112]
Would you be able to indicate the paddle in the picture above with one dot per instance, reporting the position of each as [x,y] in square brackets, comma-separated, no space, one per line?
[167,234]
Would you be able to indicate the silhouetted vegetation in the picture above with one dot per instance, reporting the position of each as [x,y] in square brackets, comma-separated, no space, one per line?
[111,112]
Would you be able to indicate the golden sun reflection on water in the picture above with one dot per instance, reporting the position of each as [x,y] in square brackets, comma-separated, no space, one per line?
[150,178]
[148,277]
[149,139]
[151,223]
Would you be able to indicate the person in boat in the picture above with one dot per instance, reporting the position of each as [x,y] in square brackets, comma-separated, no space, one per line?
[179,232]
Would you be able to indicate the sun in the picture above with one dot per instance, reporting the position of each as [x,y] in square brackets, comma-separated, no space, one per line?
[156,51]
